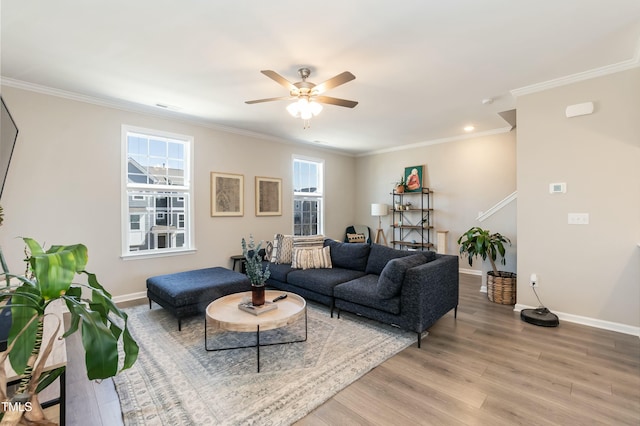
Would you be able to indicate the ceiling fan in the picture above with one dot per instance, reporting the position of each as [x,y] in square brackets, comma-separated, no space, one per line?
[308,96]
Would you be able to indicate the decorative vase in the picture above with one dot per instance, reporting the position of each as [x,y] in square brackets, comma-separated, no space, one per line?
[400,189]
[257,294]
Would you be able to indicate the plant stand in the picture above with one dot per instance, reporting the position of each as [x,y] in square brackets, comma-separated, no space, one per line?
[501,288]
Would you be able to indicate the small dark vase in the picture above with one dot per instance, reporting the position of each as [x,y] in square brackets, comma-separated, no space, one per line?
[257,294]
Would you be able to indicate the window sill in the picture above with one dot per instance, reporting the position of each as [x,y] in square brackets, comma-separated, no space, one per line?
[153,255]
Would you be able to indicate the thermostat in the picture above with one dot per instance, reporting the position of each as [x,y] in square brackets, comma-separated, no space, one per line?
[557,188]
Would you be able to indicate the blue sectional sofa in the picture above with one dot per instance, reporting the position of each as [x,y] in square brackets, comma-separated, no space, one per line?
[409,289]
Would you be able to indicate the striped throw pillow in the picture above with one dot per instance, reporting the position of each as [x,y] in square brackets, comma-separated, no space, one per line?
[314,258]
[308,241]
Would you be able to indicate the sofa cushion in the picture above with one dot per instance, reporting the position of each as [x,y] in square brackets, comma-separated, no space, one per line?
[363,291]
[429,255]
[348,256]
[392,276]
[308,241]
[279,272]
[315,258]
[380,255]
[356,238]
[321,280]
[284,248]
[268,251]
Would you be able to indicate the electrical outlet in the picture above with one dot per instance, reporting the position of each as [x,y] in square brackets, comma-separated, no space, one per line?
[533,280]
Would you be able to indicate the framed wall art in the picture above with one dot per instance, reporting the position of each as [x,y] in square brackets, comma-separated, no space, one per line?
[268,196]
[413,178]
[227,194]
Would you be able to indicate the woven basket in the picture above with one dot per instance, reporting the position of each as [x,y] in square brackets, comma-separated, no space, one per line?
[501,288]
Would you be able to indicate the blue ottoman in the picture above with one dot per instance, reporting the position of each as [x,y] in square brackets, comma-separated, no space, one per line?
[189,293]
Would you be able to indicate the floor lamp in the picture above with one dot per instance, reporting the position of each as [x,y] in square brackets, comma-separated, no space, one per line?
[380,210]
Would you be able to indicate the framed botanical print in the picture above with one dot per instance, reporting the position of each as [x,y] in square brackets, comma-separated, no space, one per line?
[227,194]
[268,196]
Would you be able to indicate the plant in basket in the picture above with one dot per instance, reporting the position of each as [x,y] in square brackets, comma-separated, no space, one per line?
[257,276]
[478,242]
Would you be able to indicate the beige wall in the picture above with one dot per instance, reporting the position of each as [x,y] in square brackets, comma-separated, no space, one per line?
[467,176]
[590,270]
[64,187]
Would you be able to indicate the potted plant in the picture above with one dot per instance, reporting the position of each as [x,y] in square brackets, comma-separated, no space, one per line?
[401,185]
[256,274]
[103,325]
[501,285]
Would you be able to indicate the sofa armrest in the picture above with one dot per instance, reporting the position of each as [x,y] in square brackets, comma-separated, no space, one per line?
[429,291]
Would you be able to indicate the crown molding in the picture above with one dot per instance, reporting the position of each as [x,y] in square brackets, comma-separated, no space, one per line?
[438,141]
[581,76]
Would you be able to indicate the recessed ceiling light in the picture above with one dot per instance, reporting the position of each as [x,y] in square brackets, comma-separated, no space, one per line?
[469,128]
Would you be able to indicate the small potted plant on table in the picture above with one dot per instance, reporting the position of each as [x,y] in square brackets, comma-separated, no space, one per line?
[501,285]
[257,276]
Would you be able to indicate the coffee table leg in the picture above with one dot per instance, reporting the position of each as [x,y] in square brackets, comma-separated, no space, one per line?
[258,345]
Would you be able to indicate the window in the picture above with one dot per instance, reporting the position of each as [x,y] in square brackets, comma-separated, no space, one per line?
[156,193]
[307,196]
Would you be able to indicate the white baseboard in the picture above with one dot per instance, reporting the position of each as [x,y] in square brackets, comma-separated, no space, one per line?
[592,322]
[130,296]
[483,289]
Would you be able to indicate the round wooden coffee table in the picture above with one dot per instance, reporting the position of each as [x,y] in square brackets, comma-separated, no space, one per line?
[223,314]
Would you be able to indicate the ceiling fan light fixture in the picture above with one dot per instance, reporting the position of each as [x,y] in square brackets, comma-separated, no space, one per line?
[304,109]
[315,107]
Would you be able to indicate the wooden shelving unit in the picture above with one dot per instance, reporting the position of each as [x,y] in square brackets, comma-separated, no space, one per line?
[413,225]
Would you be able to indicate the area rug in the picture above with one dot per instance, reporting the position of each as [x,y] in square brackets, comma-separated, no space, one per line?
[175,381]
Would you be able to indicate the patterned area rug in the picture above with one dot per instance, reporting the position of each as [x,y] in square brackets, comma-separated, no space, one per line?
[175,381]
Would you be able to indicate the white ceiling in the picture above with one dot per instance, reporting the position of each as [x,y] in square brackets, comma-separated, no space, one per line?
[422,67]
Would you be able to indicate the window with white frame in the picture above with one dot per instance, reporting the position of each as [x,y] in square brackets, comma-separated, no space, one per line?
[308,193]
[156,192]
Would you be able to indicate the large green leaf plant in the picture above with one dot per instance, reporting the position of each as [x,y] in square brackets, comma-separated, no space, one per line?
[49,277]
[478,242]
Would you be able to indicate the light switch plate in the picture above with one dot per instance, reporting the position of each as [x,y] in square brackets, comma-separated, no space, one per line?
[578,218]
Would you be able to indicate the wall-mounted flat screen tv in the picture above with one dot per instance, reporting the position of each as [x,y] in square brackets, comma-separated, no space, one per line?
[8,136]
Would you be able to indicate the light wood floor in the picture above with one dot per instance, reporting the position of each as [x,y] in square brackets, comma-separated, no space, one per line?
[486,367]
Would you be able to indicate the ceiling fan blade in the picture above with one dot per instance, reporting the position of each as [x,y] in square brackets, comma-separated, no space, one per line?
[281,98]
[336,81]
[279,79]
[335,101]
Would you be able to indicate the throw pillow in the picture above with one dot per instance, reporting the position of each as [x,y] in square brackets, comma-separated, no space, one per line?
[381,255]
[315,258]
[274,253]
[348,256]
[392,276]
[285,248]
[356,238]
[308,241]
[268,251]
